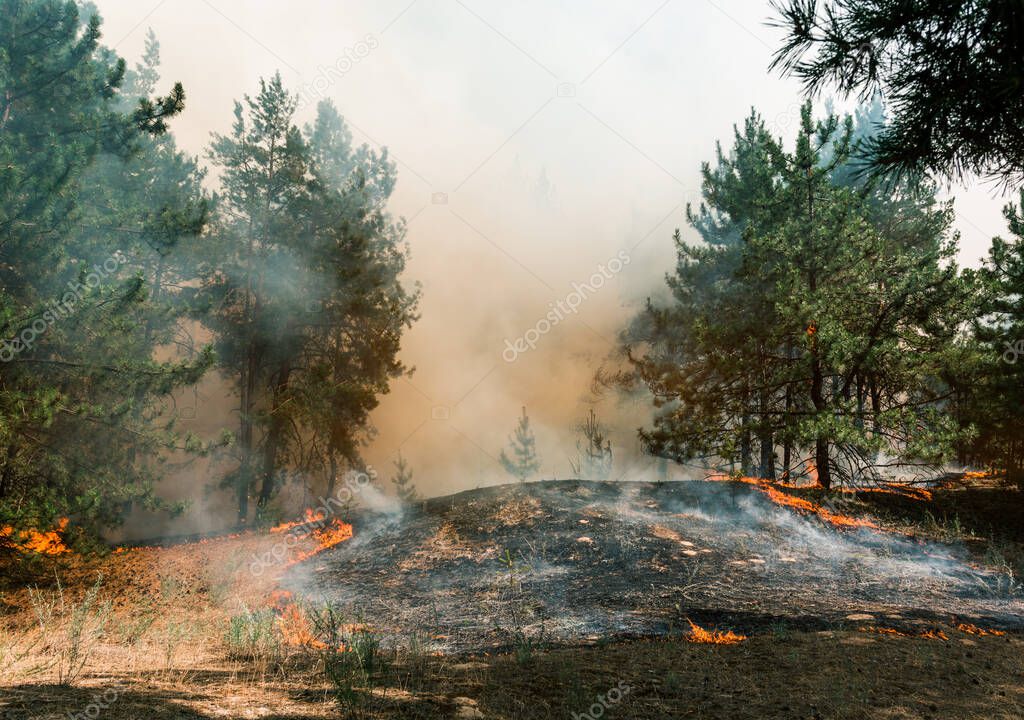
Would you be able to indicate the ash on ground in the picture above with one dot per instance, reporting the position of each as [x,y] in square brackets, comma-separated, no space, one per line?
[578,562]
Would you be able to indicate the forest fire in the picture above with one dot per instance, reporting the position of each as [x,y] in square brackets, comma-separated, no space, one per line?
[34,541]
[639,536]
[980,632]
[309,517]
[925,634]
[298,630]
[326,533]
[292,622]
[906,491]
[326,537]
[712,637]
[802,505]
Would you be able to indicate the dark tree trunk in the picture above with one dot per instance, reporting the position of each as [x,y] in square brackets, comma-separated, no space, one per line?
[767,439]
[817,370]
[275,435]
[876,403]
[332,476]
[860,403]
[746,449]
[245,434]
[787,444]
[821,463]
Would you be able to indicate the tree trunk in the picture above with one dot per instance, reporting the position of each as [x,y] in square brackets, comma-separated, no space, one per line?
[767,439]
[245,434]
[876,404]
[6,475]
[821,463]
[746,449]
[787,445]
[275,435]
[860,403]
[332,477]
[817,371]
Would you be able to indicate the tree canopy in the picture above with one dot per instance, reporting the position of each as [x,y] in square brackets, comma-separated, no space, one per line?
[817,315]
[114,258]
[951,72]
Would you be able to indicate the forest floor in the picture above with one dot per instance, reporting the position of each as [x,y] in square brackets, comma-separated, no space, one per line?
[190,631]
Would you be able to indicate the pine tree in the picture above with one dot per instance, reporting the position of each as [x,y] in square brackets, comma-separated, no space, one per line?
[707,355]
[74,301]
[594,459]
[356,321]
[991,380]
[404,487]
[521,462]
[951,68]
[302,290]
[830,325]
[870,298]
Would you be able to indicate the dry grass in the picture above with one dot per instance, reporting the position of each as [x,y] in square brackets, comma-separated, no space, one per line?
[188,633]
[800,675]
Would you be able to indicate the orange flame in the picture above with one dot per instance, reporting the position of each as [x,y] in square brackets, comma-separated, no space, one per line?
[712,637]
[334,533]
[907,491]
[314,525]
[928,634]
[33,541]
[802,505]
[812,473]
[296,628]
[293,623]
[975,630]
[309,516]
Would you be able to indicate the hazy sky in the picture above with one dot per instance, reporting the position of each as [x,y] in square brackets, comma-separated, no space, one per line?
[560,133]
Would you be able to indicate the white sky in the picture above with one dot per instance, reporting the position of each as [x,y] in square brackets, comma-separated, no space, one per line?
[465,95]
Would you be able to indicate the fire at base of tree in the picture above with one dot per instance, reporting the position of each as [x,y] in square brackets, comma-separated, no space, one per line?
[796,473]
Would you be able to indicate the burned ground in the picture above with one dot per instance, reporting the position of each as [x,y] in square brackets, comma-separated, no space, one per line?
[559,574]
[580,562]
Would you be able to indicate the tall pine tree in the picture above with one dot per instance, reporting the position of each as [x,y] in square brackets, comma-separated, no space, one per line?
[74,302]
[302,290]
[828,326]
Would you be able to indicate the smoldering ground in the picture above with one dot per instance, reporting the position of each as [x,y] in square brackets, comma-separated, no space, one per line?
[573,561]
